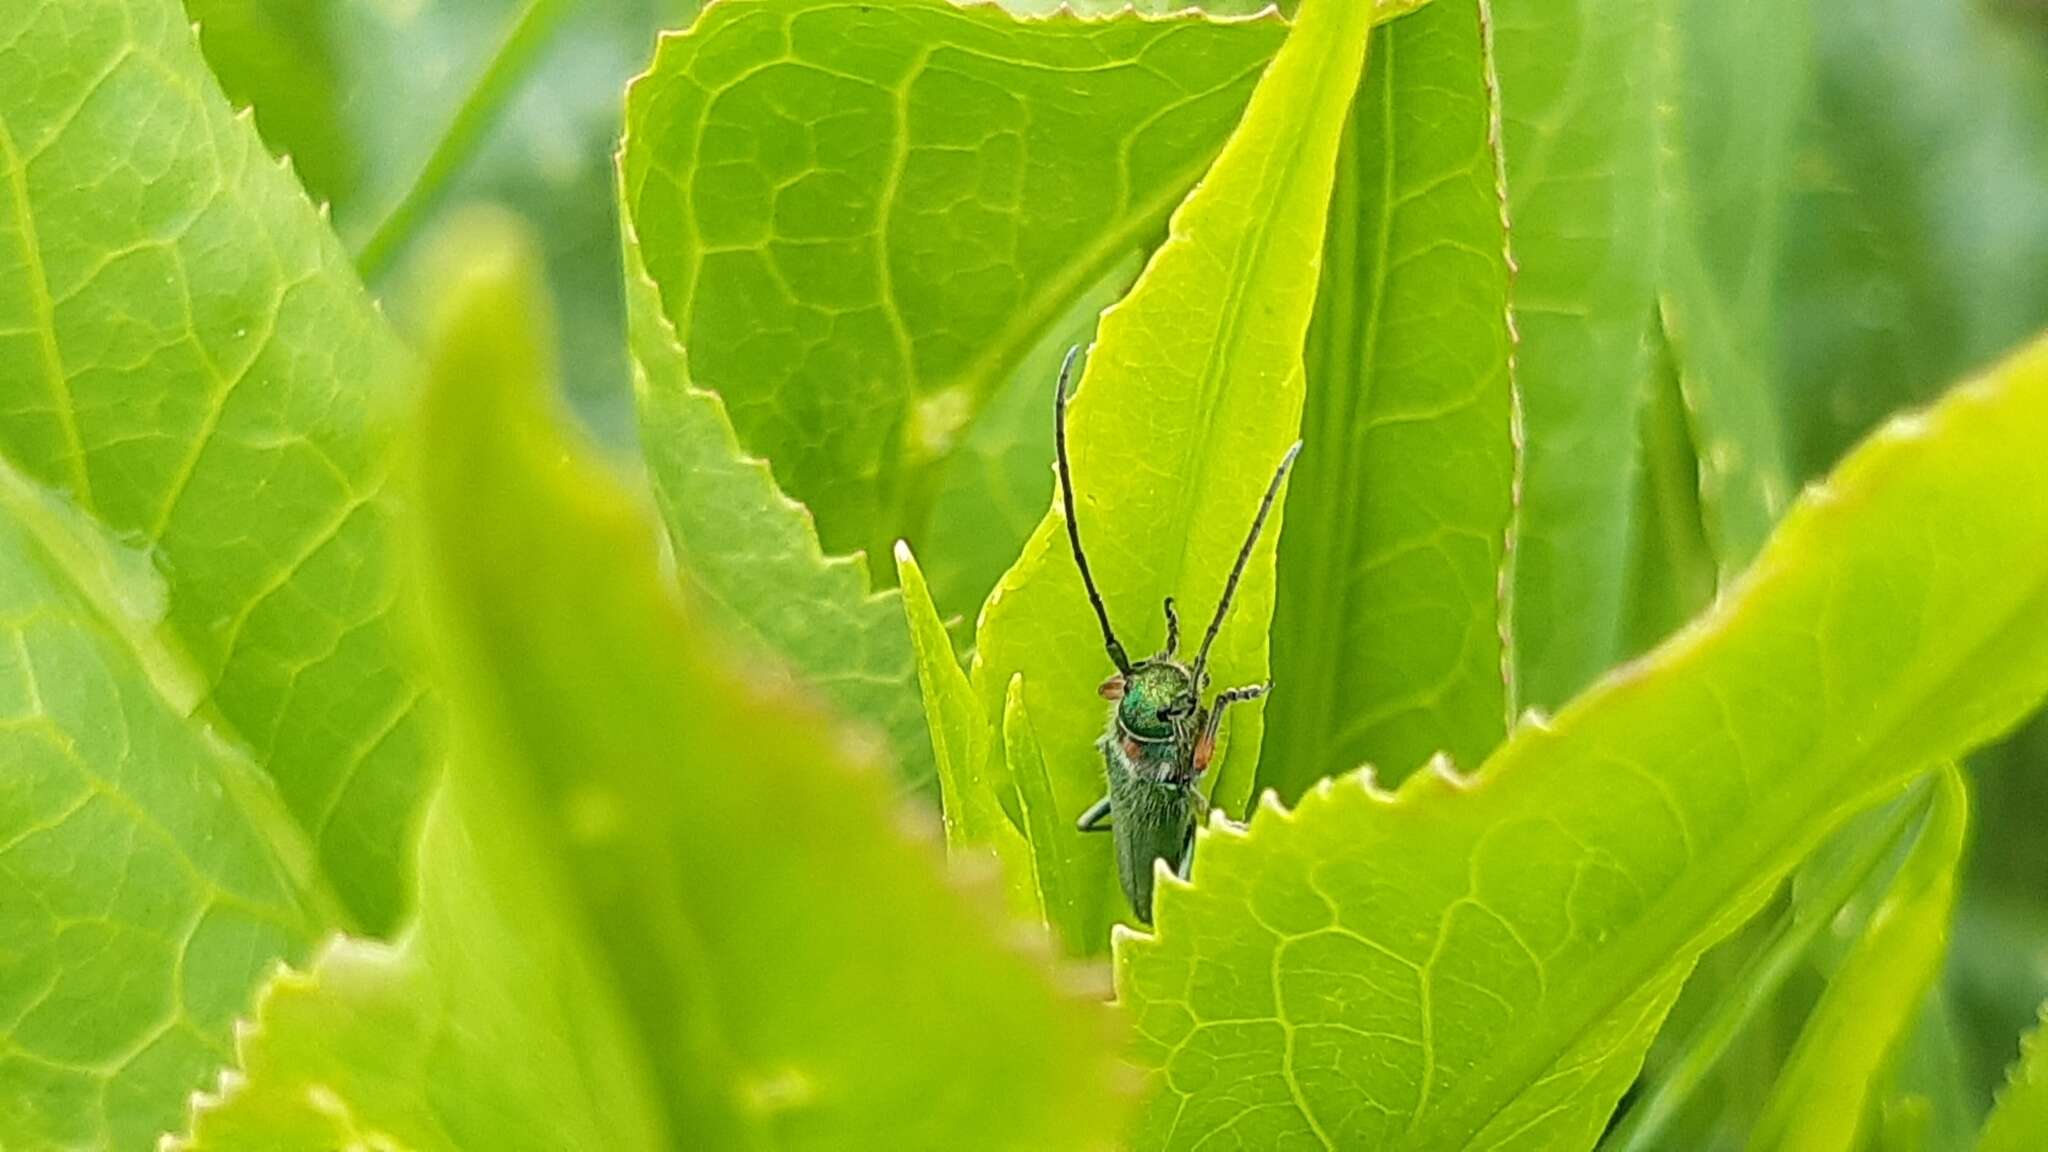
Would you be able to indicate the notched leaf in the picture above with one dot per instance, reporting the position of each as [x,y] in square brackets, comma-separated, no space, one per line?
[1477,958]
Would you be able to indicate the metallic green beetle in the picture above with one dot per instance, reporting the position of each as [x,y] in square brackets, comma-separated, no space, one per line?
[1160,737]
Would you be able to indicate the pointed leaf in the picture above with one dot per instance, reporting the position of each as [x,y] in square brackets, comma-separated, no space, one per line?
[971,803]
[794,973]
[1825,1089]
[1481,962]
[188,357]
[1188,401]
[1061,871]
[1645,146]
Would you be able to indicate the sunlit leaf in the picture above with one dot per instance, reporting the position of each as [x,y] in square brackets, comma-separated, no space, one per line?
[186,355]
[861,218]
[970,802]
[1483,961]
[1174,438]
[793,971]
[148,872]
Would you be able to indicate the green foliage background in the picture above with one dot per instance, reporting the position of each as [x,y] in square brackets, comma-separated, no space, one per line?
[387,761]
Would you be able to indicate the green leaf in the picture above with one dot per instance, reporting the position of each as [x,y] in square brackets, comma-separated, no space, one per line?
[148,871]
[1190,398]
[1389,637]
[1824,1092]
[970,803]
[276,59]
[1914,229]
[994,487]
[1058,866]
[794,973]
[1673,569]
[1728,1051]
[188,358]
[1725,85]
[488,1025]
[1645,146]
[862,218]
[753,554]
[520,99]
[2020,1120]
[1482,961]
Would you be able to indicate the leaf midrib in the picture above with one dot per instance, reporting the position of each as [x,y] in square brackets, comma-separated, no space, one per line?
[1660,935]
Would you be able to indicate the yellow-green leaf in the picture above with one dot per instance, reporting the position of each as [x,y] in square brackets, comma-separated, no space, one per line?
[1482,961]
[1823,1093]
[1189,399]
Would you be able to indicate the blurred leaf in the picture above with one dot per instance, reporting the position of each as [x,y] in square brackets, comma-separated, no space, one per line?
[753,553]
[1724,84]
[862,218]
[1390,631]
[1725,1058]
[793,972]
[1483,960]
[1645,147]
[2020,1121]
[188,358]
[360,93]
[1174,439]
[488,1025]
[1825,1091]
[1917,232]
[148,871]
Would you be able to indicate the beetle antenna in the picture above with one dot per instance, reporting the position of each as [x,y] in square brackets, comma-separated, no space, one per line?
[1244,556]
[1059,436]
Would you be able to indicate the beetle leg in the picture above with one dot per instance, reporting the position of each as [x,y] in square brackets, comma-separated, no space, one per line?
[1096,818]
[1205,745]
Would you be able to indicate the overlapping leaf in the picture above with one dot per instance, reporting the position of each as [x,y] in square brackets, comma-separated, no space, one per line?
[751,552]
[1390,632]
[185,354]
[852,292]
[1187,402]
[861,218]
[1480,963]
[1826,1088]
[1645,146]
[148,872]
[793,972]
[488,1025]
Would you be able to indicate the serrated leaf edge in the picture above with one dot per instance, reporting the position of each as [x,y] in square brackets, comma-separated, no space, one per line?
[1880,454]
